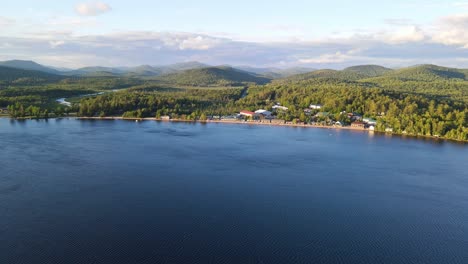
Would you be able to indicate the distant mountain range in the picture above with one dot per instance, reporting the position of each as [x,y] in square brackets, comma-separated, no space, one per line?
[148,70]
[197,74]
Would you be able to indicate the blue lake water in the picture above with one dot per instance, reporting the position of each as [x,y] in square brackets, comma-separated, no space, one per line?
[124,192]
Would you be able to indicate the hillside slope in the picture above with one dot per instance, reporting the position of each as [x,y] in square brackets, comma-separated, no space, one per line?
[424,73]
[275,73]
[28,65]
[222,76]
[326,74]
[10,76]
[368,70]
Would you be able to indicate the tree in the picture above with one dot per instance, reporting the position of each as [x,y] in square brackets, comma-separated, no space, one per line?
[203,117]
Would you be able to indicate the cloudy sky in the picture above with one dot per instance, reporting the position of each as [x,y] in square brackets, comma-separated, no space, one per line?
[274,33]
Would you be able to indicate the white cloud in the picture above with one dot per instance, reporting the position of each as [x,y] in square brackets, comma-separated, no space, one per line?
[396,34]
[157,40]
[70,22]
[400,42]
[155,48]
[404,35]
[5,21]
[92,8]
[199,43]
[452,30]
[337,57]
[56,43]
[463,5]
[398,21]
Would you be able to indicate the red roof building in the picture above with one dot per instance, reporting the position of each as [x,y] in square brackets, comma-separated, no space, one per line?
[247,113]
[358,124]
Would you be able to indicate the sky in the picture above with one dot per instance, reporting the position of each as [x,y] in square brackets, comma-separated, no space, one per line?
[293,33]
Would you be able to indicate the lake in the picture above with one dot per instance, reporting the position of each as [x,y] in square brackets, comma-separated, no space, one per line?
[153,192]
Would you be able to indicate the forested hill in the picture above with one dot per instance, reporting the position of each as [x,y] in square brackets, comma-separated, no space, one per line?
[138,71]
[144,70]
[326,74]
[368,70]
[28,65]
[379,74]
[213,76]
[275,73]
[13,76]
[95,71]
[425,73]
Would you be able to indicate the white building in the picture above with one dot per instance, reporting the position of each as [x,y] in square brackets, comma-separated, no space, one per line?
[276,107]
[316,106]
[265,113]
[370,121]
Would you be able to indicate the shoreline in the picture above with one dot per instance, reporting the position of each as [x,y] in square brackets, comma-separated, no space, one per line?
[224,122]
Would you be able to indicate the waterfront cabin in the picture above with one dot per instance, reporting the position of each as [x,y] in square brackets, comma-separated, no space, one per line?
[316,106]
[262,112]
[322,114]
[166,117]
[230,118]
[370,121]
[358,125]
[355,117]
[246,113]
[279,107]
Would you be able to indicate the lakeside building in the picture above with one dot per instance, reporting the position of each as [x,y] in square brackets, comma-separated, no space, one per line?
[316,106]
[338,124]
[246,113]
[358,124]
[322,114]
[264,113]
[355,117]
[279,107]
[229,118]
[370,121]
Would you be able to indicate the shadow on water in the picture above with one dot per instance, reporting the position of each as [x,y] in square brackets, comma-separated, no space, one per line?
[18,121]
